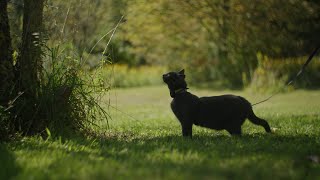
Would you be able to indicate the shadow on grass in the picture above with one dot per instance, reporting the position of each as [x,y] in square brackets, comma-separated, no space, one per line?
[250,156]
[222,146]
[8,167]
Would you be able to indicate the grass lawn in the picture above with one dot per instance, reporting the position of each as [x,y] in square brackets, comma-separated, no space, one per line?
[145,143]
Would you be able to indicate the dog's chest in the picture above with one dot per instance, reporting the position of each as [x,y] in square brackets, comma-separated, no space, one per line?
[184,106]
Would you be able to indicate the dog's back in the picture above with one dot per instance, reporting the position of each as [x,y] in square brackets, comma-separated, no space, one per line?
[219,112]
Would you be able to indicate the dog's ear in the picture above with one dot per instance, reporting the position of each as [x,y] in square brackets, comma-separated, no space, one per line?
[181,72]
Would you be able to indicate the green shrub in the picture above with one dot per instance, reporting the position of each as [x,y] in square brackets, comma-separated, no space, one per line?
[274,74]
[120,75]
[67,102]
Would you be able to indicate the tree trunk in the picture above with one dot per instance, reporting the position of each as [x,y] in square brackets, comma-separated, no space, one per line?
[6,63]
[29,66]
[29,62]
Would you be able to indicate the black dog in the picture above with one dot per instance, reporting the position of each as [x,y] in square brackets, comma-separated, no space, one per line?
[217,112]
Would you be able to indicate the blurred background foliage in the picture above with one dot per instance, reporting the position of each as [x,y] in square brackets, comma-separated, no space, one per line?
[221,43]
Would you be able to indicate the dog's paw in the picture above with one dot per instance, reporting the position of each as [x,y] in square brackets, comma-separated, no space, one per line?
[274,130]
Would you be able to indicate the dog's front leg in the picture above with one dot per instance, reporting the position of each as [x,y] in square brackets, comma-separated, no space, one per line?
[187,130]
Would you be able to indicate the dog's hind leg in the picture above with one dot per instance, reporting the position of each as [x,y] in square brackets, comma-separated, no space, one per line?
[258,121]
[235,130]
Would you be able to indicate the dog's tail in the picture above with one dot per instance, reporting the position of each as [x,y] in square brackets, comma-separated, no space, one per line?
[252,117]
[258,121]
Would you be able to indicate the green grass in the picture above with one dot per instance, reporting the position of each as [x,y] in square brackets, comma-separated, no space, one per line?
[148,145]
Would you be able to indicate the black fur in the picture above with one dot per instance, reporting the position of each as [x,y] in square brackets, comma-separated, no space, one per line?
[216,112]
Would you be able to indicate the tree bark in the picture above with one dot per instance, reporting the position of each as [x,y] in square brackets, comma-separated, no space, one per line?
[6,61]
[29,62]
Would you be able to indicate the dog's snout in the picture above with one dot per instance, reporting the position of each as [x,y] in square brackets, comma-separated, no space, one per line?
[165,75]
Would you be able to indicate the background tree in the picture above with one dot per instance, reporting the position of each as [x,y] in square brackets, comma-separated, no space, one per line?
[28,68]
[219,40]
[29,64]
[6,62]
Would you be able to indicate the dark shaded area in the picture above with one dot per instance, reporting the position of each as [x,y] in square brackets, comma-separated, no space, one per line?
[8,166]
[135,152]
[6,60]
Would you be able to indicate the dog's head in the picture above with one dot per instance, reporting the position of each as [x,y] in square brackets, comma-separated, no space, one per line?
[175,81]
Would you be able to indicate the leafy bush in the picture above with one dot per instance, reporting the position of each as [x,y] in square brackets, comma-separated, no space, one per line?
[120,75]
[273,74]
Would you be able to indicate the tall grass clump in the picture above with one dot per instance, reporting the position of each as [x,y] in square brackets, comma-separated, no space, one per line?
[273,74]
[67,101]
